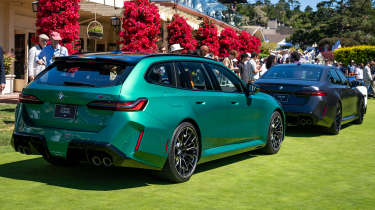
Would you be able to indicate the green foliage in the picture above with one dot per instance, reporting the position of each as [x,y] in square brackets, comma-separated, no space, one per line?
[352,22]
[360,54]
[96,29]
[266,47]
[8,62]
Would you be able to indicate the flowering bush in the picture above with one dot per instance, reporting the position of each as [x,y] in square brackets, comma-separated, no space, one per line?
[61,16]
[141,26]
[249,43]
[180,32]
[207,35]
[228,41]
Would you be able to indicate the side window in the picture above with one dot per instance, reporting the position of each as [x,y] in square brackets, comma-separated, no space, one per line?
[192,75]
[333,77]
[344,80]
[226,82]
[161,73]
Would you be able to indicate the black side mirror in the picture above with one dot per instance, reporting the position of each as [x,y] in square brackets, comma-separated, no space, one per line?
[252,88]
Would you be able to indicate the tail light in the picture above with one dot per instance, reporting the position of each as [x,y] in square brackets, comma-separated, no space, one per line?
[264,90]
[312,93]
[29,99]
[137,105]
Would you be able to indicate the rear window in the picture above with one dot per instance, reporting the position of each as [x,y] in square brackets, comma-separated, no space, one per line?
[293,73]
[85,74]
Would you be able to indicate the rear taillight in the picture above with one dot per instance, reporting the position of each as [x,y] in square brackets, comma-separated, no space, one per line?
[311,93]
[264,90]
[29,99]
[137,105]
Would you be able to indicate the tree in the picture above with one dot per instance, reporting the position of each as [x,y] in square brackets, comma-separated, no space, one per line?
[180,32]
[141,26]
[207,35]
[308,9]
[228,41]
[61,16]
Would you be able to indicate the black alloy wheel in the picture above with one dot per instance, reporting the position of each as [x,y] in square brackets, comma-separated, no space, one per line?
[275,134]
[183,153]
[362,111]
[336,125]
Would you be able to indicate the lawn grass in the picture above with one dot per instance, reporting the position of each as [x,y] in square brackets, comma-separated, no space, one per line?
[311,171]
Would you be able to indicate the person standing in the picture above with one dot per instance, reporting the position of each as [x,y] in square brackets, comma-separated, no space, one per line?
[228,61]
[32,66]
[176,49]
[2,70]
[359,73]
[270,61]
[205,51]
[367,78]
[255,67]
[243,68]
[48,54]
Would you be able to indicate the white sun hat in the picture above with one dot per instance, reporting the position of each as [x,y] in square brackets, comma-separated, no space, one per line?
[175,47]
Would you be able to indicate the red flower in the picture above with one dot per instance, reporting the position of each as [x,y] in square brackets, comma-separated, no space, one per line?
[228,41]
[249,43]
[207,35]
[61,16]
[141,26]
[180,32]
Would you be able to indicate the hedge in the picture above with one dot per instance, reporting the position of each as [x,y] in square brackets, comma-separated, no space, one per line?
[360,54]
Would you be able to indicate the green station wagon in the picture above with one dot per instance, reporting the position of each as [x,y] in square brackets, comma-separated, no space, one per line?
[154,111]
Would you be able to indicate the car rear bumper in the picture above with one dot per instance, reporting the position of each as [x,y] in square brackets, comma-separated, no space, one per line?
[78,150]
[306,116]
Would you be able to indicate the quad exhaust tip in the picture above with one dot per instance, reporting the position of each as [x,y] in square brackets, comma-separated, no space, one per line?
[24,150]
[107,162]
[96,161]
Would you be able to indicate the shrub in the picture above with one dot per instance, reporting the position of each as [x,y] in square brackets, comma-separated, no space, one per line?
[360,54]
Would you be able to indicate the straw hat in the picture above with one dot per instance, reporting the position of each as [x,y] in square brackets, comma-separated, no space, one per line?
[176,47]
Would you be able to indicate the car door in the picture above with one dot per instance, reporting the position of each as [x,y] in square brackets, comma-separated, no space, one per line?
[349,93]
[336,84]
[241,117]
[206,105]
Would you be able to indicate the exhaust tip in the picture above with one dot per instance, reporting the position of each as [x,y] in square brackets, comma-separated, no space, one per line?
[107,162]
[96,161]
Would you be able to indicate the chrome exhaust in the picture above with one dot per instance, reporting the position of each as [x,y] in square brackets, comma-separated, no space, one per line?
[309,122]
[107,162]
[96,161]
[303,122]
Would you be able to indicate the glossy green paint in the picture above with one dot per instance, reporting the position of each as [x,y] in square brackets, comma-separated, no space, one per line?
[225,128]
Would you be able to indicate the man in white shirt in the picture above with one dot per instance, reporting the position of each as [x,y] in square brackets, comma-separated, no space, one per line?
[254,67]
[358,73]
[32,66]
[367,77]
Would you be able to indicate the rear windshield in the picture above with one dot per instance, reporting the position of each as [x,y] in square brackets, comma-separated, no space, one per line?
[85,74]
[293,73]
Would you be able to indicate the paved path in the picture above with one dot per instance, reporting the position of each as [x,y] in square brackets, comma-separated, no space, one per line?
[9,98]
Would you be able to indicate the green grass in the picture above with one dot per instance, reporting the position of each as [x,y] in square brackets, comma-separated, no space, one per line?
[311,171]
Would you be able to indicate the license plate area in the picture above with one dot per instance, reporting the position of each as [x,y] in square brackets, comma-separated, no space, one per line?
[282,97]
[65,111]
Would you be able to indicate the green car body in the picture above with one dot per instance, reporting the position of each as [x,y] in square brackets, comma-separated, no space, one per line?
[227,123]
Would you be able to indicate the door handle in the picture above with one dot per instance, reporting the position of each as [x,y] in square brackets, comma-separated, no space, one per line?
[234,102]
[200,102]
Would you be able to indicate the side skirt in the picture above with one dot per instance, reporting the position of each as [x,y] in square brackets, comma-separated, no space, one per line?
[229,150]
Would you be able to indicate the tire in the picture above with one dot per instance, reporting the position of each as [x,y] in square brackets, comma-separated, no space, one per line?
[57,161]
[362,111]
[183,154]
[336,125]
[276,130]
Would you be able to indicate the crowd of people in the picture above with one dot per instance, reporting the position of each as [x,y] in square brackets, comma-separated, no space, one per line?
[248,66]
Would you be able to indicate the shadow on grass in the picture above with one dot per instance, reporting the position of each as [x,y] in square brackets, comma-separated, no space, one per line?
[83,177]
[8,110]
[296,131]
[86,177]
[8,121]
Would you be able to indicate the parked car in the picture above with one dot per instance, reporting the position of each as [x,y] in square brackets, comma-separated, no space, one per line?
[314,95]
[161,112]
